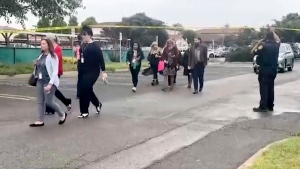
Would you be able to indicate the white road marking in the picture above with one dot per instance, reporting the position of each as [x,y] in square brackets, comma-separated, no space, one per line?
[16,97]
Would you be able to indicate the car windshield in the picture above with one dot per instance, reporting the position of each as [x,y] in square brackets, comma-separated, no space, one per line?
[282,49]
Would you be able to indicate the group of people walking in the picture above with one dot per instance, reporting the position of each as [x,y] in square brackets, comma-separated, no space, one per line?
[90,64]
[49,68]
[168,61]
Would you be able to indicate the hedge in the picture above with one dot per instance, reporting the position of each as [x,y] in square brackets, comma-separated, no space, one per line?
[240,55]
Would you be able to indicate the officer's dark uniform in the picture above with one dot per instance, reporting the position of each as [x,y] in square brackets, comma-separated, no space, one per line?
[267,60]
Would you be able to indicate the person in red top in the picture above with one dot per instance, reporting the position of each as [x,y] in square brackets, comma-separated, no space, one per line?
[58,94]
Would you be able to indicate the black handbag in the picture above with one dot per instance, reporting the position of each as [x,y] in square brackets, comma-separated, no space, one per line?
[32,80]
[147,72]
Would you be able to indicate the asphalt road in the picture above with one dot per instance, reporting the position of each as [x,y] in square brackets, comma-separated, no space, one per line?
[128,123]
[119,85]
[230,146]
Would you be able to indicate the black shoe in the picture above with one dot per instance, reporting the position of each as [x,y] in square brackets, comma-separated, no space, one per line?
[271,109]
[259,110]
[200,90]
[164,89]
[83,115]
[156,82]
[153,82]
[189,86]
[98,109]
[36,125]
[195,92]
[63,121]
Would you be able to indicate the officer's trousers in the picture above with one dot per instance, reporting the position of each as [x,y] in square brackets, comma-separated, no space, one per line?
[266,89]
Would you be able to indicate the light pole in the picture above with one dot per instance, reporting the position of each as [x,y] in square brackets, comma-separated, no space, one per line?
[128,41]
[35,26]
[120,35]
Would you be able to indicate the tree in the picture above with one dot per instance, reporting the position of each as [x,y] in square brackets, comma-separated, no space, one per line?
[144,36]
[20,36]
[246,37]
[178,26]
[43,23]
[190,35]
[58,22]
[73,21]
[290,21]
[89,21]
[39,8]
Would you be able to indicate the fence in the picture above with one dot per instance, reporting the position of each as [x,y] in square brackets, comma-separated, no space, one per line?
[10,55]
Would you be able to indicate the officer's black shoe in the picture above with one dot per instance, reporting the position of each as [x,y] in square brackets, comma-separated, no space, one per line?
[271,109]
[259,110]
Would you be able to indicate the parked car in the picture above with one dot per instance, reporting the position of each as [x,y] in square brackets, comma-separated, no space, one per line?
[285,59]
[213,53]
[296,50]
[225,52]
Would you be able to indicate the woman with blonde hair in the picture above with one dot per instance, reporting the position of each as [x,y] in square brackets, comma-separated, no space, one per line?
[154,58]
[170,56]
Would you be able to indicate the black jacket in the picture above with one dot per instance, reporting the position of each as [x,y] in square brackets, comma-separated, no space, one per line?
[267,57]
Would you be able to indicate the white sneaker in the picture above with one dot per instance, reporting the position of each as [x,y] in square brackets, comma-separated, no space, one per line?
[83,115]
[134,89]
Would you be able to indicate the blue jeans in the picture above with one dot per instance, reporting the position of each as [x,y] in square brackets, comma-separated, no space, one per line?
[197,74]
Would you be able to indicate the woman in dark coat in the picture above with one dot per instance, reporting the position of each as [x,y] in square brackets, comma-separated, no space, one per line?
[186,71]
[170,56]
[154,57]
[134,59]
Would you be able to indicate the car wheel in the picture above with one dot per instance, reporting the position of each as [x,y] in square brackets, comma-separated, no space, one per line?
[291,67]
[211,55]
[282,70]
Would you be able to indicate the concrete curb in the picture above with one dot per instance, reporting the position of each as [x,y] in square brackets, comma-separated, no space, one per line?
[249,163]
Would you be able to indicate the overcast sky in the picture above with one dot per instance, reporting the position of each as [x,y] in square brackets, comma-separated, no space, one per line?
[191,13]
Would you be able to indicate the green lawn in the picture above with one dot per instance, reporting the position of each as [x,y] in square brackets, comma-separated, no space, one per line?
[12,70]
[285,155]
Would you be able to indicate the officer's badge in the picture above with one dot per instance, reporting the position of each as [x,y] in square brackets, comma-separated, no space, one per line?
[260,47]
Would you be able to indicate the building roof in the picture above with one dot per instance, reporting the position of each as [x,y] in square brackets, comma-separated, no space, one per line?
[7,28]
[211,37]
[220,31]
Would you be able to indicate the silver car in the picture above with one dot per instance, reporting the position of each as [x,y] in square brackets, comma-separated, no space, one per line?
[285,59]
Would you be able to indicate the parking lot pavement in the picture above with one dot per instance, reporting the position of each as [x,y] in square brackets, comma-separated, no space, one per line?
[119,84]
[129,121]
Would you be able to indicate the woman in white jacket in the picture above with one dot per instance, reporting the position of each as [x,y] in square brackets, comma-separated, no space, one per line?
[46,73]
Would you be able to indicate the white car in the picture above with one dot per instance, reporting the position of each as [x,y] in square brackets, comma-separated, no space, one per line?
[285,59]
[213,53]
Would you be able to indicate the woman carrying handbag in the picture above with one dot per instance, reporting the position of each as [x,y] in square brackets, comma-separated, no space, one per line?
[154,58]
[47,81]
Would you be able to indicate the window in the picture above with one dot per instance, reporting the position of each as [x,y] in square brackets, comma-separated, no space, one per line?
[282,49]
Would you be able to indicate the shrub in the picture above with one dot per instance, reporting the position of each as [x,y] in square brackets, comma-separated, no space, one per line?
[69,60]
[240,55]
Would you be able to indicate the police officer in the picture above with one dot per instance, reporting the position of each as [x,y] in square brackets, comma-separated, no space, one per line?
[267,60]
